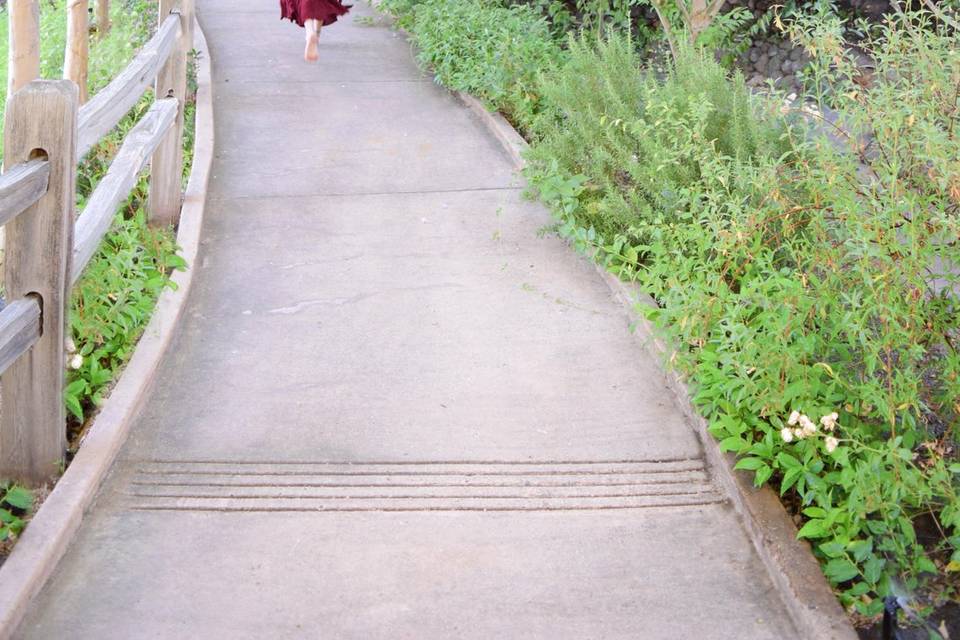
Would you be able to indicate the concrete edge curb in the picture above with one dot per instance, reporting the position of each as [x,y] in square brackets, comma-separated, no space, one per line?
[802,586]
[49,533]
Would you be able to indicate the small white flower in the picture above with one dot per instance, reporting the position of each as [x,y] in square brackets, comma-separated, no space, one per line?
[807,425]
[832,444]
[830,422]
[799,434]
[76,361]
[787,434]
[70,345]
[794,417]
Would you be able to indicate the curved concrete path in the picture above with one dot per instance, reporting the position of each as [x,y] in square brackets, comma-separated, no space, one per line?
[395,410]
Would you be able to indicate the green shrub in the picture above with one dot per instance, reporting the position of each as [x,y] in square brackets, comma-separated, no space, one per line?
[483,48]
[113,302]
[812,289]
[606,118]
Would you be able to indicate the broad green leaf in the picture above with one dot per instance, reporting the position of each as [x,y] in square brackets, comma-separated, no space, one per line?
[763,474]
[814,529]
[787,461]
[815,512]
[873,569]
[926,564]
[840,570]
[750,464]
[19,497]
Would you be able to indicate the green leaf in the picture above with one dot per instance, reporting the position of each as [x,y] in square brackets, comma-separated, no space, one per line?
[787,461]
[73,406]
[877,527]
[926,564]
[733,443]
[861,549]
[906,527]
[873,570]
[840,570]
[750,464]
[78,386]
[19,497]
[790,478]
[814,529]
[763,474]
[815,512]
[831,549]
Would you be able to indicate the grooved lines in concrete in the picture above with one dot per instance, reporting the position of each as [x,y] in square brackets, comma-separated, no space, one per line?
[419,486]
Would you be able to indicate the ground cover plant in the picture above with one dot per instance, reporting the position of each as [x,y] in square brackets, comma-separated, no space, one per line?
[805,267]
[15,503]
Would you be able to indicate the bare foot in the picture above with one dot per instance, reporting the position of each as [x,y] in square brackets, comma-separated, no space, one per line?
[310,54]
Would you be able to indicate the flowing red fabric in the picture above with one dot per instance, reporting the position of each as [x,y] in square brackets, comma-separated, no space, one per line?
[326,11]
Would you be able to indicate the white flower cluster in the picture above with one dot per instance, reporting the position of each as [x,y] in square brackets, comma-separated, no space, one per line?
[76,360]
[800,427]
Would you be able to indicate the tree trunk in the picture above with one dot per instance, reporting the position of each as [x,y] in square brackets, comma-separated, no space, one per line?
[102,15]
[24,40]
[78,45]
[702,13]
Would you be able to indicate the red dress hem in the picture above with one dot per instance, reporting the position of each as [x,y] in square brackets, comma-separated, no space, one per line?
[299,11]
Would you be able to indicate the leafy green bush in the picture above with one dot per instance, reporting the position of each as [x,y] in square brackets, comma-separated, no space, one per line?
[114,300]
[812,289]
[605,118]
[483,48]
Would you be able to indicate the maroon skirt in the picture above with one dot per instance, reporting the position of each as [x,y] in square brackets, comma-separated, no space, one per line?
[326,11]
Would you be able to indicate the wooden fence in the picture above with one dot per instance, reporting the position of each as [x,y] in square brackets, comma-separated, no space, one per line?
[46,134]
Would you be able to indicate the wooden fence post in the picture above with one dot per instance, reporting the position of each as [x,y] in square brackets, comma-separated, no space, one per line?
[41,119]
[76,61]
[101,14]
[23,62]
[166,167]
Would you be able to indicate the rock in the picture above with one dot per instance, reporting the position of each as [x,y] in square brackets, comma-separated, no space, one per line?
[786,67]
[796,53]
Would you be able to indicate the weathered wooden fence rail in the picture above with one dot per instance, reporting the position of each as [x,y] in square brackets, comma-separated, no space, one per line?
[46,134]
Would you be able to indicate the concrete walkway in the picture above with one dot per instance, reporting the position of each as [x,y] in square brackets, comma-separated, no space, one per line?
[395,410]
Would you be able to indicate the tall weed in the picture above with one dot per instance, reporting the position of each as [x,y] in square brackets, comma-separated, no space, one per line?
[605,117]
